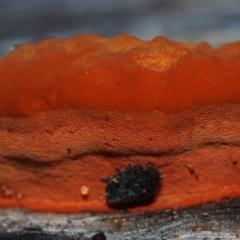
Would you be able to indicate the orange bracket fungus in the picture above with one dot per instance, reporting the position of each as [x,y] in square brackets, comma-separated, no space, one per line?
[74,110]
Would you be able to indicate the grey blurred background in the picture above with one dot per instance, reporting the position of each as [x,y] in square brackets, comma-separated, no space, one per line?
[215,21]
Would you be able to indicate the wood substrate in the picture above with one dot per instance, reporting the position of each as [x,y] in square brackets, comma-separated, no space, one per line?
[73,111]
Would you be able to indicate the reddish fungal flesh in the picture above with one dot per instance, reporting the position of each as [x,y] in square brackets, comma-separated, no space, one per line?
[74,110]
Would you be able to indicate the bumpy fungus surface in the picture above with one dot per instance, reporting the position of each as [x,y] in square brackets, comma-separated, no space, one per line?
[73,110]
[122,73]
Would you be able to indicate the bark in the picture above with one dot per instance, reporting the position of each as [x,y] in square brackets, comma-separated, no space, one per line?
[208,221]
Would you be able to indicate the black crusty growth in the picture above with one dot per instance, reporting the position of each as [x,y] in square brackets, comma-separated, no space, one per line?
[133,185]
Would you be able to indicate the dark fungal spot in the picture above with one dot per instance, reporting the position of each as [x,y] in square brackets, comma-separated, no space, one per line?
[106,117]
[132,186]
[99,236]
[234,162]
[69,151]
